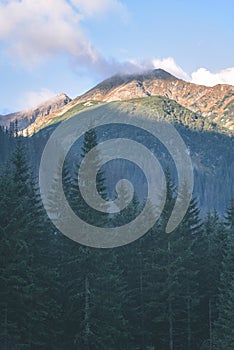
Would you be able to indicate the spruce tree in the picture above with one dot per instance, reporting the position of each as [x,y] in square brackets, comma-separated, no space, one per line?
[26,275]
[209,254]
[93,288]
[16,255]
[225,324]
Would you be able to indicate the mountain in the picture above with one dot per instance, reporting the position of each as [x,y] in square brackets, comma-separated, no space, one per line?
[204,117]
[211,152]
[29,116]
[216,103]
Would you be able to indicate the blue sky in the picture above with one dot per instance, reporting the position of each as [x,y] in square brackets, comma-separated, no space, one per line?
[53,46]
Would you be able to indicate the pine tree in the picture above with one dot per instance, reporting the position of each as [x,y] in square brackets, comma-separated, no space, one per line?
[26,278]
[78,204]
[93,288]
[229,217]
[15,267]
[225,324]
[186,235]
[132,263]
[209,254]
[172,278]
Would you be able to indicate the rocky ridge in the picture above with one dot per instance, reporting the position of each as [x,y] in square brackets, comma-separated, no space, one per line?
[215,104]
[40,112]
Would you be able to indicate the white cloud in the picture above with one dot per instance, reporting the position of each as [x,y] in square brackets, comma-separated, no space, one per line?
[201,76]
[205,77]
[134,66]
[35,30]
[169,65]
[34,98]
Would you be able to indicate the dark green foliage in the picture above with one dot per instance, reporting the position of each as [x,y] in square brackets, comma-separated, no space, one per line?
[225,323]
[7,144]
[164,291]
[24,303]
[93,280]
[229,217]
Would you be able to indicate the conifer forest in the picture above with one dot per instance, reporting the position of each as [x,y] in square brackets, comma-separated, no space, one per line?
[161,292]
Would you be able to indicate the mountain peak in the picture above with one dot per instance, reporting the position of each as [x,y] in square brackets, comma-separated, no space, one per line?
[59,99]
[162,74]
[214,103]
[127,86]
[42,110]
[158,73]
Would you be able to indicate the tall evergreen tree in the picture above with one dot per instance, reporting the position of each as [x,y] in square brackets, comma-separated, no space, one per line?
[24,278]
[209,254]
[93,288]
[225,324]
[16,255]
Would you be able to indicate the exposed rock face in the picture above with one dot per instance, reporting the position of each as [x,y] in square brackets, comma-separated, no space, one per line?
[215,103]
[27,117]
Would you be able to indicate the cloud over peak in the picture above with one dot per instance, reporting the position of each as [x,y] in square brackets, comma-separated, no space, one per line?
[169,65]
[33,31]
[205,77]
[201,76]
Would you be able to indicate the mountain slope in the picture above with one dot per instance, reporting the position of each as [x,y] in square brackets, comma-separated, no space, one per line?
[27,117]
[211,152]
[215,103]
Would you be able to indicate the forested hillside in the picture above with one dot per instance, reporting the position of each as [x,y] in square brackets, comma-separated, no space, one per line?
[164,291]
